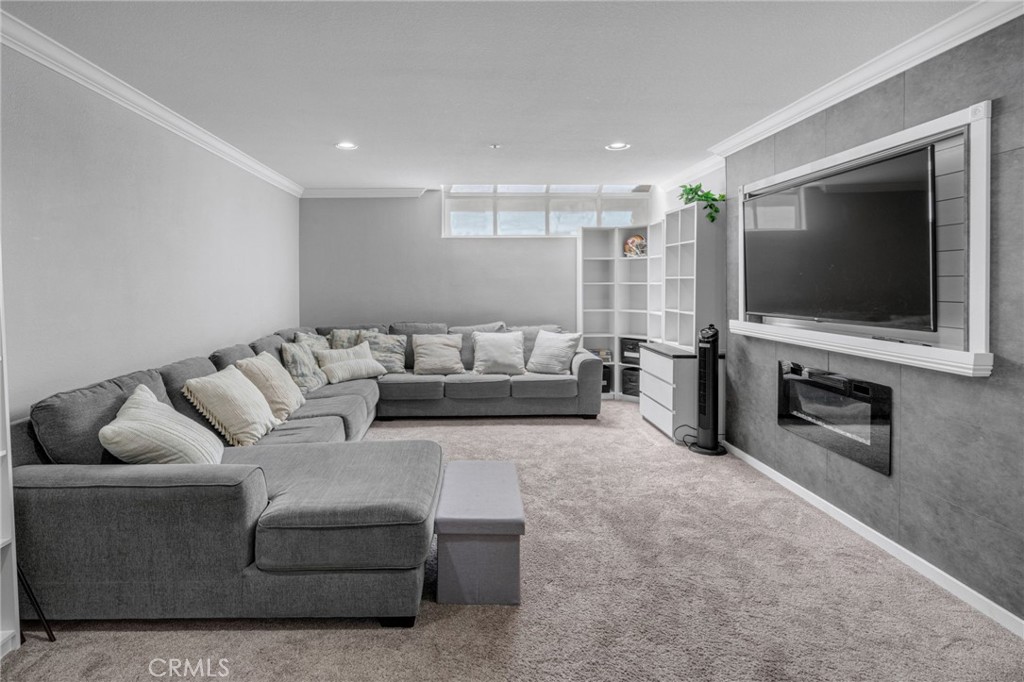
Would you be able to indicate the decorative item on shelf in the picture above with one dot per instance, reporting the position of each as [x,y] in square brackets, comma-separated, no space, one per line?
[692,194]
[604,353]
[635,246]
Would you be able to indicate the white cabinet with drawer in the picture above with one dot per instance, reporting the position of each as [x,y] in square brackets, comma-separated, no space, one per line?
[668,389]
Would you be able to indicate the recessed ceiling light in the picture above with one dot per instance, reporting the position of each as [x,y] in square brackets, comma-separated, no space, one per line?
[495,146]
[346,146]
[616,146]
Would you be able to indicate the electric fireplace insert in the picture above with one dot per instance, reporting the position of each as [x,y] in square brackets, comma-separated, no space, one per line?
[850,417]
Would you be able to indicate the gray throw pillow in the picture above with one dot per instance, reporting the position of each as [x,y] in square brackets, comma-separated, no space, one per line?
[467,338]
[530,335]
[553,353]
[301,364]
[498,353]
[387,349]
[344,338]
[312,341]
[437,354]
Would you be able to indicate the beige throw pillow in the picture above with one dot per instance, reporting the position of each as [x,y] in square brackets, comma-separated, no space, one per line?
[498,353]
[331,356]
[348,370]
[233,404]
[437,354]
[147,431]
[553,353]
[274,382]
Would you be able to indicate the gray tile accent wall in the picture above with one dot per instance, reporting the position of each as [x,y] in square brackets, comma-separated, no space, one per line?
[956,493]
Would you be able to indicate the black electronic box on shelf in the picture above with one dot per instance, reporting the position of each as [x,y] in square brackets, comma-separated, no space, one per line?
[631,381]
[629,351]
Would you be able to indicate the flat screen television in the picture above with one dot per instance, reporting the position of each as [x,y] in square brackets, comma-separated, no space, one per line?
[853,247]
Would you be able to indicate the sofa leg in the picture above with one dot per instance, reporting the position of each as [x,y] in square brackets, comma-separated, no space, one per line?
[398,622]
[589,416]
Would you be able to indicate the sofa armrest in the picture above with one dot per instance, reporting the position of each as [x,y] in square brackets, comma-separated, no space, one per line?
[588,368]
[136,523]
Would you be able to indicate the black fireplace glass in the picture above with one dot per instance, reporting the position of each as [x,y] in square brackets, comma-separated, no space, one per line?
[850,417]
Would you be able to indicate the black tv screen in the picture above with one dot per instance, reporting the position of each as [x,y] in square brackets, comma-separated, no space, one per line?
[854,247]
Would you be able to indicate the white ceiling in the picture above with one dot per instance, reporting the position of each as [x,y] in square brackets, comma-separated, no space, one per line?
[425,87]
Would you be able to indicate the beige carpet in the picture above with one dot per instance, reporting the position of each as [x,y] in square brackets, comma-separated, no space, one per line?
[642,561]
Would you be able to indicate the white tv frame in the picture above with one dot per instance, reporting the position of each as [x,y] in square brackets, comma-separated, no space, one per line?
[975,360]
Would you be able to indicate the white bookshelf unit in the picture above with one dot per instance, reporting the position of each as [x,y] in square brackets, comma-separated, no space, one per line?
[620,297]
[694,285]
[10,631]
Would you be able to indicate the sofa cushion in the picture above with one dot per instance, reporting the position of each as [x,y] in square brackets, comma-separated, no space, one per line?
[274,382]
[271,344]
[410,328]
[364,388]
[352,506]
[530,336]
[176,374]
[351,408]
[147,431]
[225,357]
[437,354]
[411,386]
[475,386]
[312,430]
[387,349]
[467,338]
[288,334]
[498,353]
[553,353]
[326,331]
[233,405]
[67,424]
[531,385]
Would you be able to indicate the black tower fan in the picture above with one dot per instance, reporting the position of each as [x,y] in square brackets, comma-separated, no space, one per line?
[707,393]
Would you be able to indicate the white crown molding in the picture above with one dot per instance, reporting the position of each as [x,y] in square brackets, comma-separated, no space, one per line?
[947,582]
[959,28]
[21,37]
[369,193]
[697,170]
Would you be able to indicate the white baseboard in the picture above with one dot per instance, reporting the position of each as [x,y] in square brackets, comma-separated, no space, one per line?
[947,582]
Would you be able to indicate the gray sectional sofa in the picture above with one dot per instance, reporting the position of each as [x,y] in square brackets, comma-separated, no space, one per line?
[305,523]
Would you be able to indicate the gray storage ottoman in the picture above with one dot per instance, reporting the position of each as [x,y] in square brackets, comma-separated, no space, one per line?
[478,523]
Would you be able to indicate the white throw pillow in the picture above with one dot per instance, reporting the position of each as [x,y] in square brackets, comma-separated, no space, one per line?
[275,383]
[147,431]
[437,354]
[348,370]
[498,353]
[331,356]
[233,404]
[553,353]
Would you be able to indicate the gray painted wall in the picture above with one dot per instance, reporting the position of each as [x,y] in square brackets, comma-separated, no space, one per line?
[384,260]
[956,494]
[125,246]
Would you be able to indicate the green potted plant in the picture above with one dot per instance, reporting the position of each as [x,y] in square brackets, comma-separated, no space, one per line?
[692,194]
